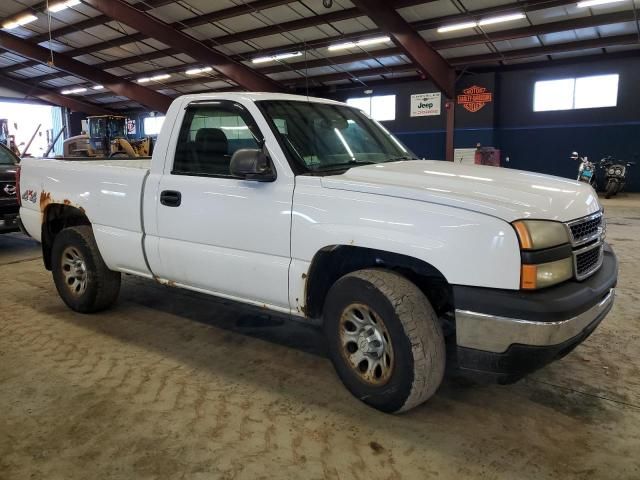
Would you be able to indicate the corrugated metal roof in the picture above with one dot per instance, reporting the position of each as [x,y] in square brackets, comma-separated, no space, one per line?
[108,39]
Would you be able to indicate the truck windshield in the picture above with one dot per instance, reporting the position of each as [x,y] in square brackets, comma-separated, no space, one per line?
[107,127]
[323,137]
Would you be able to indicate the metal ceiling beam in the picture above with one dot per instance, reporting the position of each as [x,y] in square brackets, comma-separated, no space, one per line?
[603,42]
[546,28]
[214,17]
[154,28]
[430,24]
[75,27]
[52,97]
[406,79]
[301,66]
[531,5]
[119,86]
[301,23]
[423,56]
[187,23]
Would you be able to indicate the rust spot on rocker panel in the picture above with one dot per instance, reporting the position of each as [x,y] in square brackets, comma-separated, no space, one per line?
[162,281]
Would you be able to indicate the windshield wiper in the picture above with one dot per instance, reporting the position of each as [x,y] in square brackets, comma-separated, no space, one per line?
[342,166]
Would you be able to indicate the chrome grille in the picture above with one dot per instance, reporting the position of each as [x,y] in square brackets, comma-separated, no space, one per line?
[585,229]
[587,235]
[587,260]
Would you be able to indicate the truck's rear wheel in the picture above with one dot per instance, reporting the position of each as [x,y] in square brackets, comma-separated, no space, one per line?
[385,340]
[82,279]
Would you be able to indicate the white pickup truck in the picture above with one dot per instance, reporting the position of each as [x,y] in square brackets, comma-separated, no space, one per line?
[306,206]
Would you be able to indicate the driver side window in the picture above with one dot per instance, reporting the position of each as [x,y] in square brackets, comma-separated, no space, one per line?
[209,136]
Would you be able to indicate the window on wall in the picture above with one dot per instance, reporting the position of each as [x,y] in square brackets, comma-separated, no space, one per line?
[576,93]
[378,107]
[152,125]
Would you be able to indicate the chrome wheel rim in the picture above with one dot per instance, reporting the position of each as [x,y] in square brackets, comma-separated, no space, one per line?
[74,270]
[366,344]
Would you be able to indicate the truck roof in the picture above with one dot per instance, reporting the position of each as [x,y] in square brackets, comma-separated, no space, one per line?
[257,96]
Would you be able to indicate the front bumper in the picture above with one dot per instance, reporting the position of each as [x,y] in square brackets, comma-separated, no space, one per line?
[502,335]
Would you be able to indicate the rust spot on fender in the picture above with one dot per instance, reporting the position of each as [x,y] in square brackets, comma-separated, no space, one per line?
[45,200]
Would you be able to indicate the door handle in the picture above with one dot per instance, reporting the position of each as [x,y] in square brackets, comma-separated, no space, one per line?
[170,198]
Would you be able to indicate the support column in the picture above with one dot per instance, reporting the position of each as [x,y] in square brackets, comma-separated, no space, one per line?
[450,107]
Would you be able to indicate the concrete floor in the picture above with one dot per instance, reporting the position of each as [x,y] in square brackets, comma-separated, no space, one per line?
[173,385]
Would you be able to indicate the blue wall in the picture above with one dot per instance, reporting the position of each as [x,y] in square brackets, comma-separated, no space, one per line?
[536,141]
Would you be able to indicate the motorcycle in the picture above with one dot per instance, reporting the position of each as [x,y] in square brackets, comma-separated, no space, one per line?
[586,170]
[615,175]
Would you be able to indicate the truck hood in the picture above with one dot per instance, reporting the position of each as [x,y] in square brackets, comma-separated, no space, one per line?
[500,192]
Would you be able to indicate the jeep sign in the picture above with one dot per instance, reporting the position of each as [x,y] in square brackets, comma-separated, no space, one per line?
[425,104]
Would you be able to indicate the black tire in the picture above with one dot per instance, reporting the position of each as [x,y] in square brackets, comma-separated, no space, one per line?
[101,285]
[612,188]
[401,311]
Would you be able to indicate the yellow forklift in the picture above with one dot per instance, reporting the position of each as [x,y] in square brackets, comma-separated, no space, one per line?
[107,137]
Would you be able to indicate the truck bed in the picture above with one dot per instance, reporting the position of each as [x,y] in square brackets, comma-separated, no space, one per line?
[108,192]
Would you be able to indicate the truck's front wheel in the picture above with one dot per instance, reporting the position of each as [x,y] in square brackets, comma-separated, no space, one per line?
[384,338]
[82,279]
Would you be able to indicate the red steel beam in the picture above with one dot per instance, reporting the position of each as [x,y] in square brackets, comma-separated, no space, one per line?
[414,46]
[154,28]
[53,97]
[147,97]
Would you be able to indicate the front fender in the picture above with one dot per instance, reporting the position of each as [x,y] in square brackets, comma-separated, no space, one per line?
[469,248]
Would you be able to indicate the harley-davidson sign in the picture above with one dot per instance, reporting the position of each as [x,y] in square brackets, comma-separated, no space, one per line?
[474,98]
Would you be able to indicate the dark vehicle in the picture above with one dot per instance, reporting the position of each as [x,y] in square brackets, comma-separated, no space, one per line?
[615,175]
[586,170]
[8,197]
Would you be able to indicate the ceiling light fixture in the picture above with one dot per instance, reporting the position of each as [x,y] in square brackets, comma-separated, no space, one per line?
[58,7]
[359,43]
[594,3]
[273,58]
[20,21]
[457,26]
[481,23]
[73,90]
[196,71]
[501,18]
[155,78]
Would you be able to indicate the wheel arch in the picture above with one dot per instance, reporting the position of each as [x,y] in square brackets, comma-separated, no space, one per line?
[334,261]
[55,218]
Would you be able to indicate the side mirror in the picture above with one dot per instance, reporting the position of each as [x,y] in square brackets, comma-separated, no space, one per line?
[252,164]
[574,155]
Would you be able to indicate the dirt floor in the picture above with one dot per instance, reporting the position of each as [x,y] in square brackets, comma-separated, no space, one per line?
[171,385]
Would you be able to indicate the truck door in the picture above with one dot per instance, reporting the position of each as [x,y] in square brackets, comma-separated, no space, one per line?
[217,233]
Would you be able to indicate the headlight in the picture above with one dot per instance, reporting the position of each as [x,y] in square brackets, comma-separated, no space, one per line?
[618,171]
[546,274]
[612,171]
[538,234]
